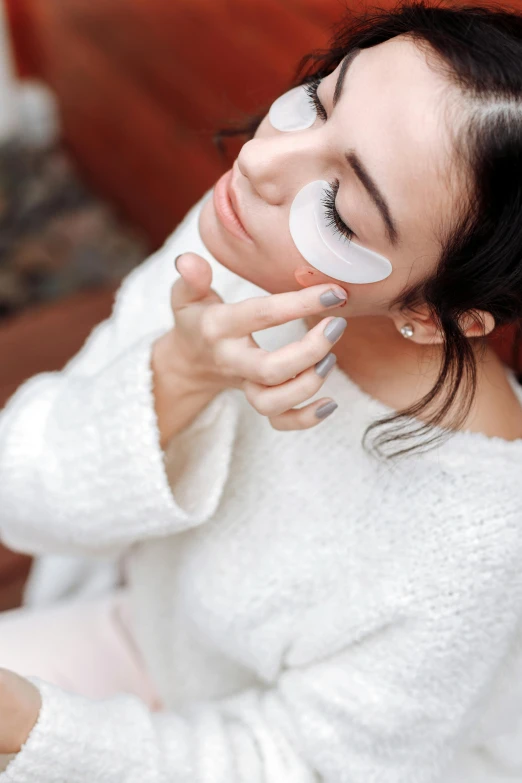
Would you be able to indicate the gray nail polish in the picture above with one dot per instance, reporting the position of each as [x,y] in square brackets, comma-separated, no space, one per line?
[335,329]
[329,298]
[323,367]
[325,410]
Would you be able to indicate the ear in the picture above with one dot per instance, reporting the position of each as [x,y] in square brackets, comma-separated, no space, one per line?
[474,323]
[307,276]
[477,323]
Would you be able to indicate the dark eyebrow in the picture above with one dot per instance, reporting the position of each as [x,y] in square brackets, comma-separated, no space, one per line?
[376,196]
[348,60]
[358,166]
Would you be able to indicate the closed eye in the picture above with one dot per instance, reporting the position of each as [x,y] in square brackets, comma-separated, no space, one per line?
[334,218]
[311,88]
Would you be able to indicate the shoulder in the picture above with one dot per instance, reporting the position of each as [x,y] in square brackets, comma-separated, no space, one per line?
[462,505]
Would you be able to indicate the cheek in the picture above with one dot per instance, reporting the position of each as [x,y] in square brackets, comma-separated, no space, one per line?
[275,270]
[379,298]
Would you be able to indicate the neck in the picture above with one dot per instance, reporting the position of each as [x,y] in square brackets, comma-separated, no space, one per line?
[399,373]
[386,365]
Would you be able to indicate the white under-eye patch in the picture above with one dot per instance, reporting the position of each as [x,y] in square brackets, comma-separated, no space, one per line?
[323,248]
[292,111]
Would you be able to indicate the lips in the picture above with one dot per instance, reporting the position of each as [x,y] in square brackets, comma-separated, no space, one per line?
[234,201]
[227,208]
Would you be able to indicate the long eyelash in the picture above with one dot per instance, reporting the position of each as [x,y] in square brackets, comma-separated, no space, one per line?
[311,90]
[328,200]
[333,217]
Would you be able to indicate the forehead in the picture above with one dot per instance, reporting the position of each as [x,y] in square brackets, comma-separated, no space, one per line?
[393,114]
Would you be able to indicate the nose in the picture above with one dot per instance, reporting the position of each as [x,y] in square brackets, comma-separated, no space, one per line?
[279,166]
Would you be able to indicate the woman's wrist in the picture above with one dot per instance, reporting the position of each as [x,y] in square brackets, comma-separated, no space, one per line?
[179,395]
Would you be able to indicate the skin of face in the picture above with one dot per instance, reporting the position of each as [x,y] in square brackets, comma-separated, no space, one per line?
[392,114]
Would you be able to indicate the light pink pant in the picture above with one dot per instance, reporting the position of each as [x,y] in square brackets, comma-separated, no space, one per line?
[82,645]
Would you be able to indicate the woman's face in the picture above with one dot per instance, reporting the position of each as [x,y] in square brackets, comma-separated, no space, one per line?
[388,126]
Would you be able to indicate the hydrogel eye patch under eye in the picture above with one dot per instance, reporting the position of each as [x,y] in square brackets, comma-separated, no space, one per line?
[322,246]
[292,111]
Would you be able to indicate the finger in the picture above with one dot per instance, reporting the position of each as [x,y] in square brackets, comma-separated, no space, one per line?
[194,282]
[306,417]
[272,401]
[271,368]
[261,312]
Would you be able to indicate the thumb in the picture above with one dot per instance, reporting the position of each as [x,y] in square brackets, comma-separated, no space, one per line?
[194,282]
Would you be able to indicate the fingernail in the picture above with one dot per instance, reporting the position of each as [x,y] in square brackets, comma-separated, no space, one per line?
[176,261]
[330,298]
[323,367]
[335,329]
[325,410]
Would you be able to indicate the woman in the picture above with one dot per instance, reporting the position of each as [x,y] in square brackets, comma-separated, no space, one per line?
[306,601]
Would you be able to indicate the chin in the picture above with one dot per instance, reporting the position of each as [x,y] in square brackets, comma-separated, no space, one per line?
[233,255]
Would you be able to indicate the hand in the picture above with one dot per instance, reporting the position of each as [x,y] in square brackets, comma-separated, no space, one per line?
[20,705]
[212,344]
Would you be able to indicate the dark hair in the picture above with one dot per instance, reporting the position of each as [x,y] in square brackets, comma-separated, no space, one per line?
[480,267]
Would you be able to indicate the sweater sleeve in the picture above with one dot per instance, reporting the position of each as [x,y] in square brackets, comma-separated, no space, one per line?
[391,705]
[81,467]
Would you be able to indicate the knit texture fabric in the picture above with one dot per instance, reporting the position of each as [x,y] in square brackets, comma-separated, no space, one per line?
[306,612]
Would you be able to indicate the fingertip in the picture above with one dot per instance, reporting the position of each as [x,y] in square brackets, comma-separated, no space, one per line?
[340,292]
[176,261]
[182,255]
[326,409]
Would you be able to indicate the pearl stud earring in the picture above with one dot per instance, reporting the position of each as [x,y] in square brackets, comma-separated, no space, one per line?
[407,330]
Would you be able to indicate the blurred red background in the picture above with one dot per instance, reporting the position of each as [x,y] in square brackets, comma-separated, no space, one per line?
[143,84]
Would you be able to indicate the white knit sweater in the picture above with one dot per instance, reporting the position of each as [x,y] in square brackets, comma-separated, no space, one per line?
[307,613]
